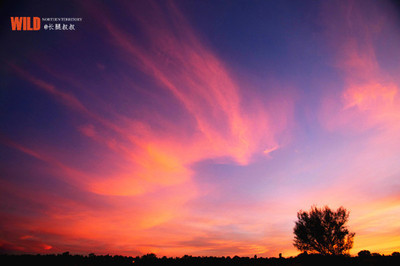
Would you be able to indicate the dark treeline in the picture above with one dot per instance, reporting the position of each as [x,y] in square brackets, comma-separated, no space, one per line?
[152,259]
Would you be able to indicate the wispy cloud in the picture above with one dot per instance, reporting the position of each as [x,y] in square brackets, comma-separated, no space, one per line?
[150,166]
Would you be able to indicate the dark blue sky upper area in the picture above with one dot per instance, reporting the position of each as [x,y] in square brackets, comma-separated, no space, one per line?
[258,33]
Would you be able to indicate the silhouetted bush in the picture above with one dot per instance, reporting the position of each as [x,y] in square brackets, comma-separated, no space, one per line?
[364,253]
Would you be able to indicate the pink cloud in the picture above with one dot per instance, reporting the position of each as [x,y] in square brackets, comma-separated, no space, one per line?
[201,83]
[149,181]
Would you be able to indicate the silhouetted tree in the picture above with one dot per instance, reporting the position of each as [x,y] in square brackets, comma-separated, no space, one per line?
[323,231]
[364,253]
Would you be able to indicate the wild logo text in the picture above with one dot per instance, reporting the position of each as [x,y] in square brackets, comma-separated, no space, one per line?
[25,23]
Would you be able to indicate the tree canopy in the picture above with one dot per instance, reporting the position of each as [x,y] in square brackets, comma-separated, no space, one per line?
[323,231]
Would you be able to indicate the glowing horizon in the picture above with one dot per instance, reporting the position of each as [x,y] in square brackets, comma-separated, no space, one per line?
[200,128]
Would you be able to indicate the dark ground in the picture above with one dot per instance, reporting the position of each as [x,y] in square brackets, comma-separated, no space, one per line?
[151,259]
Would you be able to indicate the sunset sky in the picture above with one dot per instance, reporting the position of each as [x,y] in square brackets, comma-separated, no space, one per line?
[198,127]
